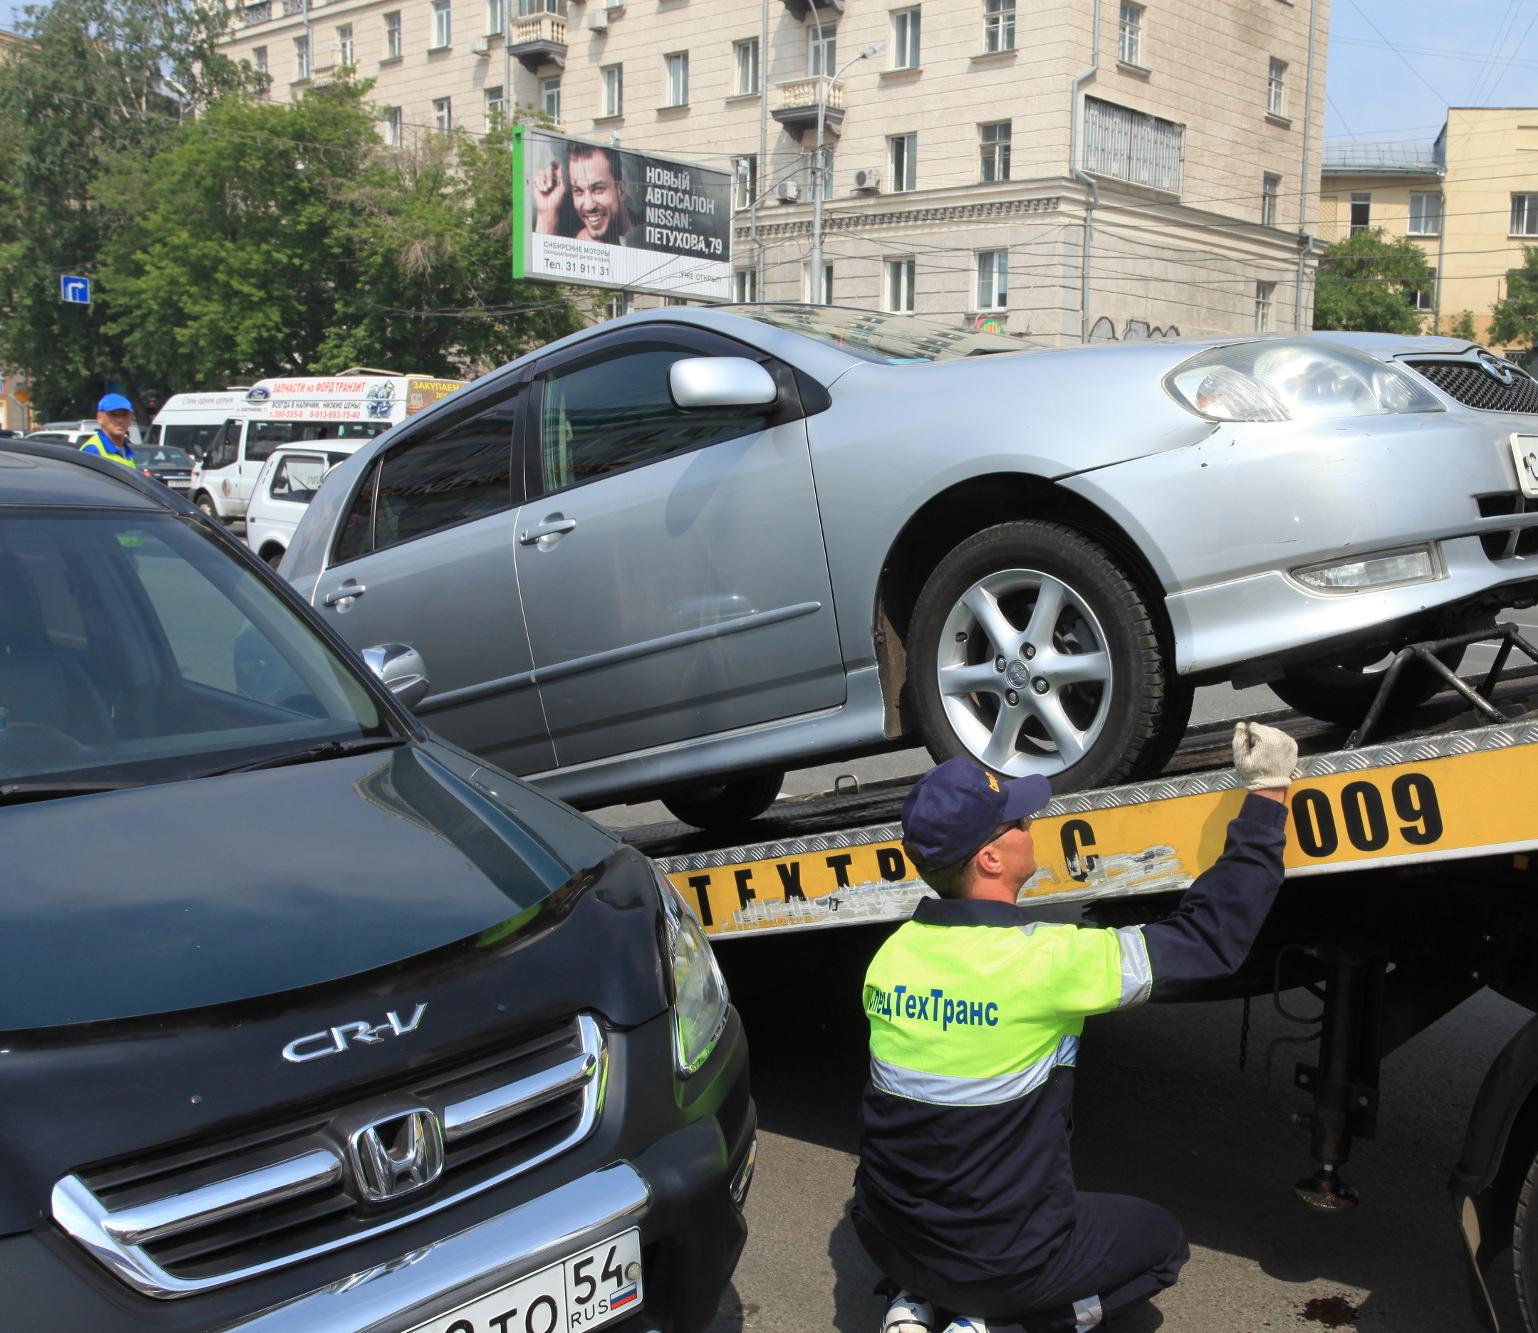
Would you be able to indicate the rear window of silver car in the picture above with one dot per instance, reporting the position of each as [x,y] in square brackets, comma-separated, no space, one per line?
[891,340]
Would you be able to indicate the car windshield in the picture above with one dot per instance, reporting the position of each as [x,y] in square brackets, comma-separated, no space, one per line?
[891,340]
[171,457]
[134,649]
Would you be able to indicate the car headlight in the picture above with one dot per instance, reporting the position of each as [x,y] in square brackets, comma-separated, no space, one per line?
[1294,380]
[699,992]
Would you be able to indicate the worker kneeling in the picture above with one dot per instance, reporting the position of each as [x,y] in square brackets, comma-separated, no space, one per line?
[965,1195]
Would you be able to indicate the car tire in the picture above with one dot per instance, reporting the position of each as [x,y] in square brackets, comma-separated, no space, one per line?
[1342,692]
[1524,1246]
[1114,715]
[205,502]
[725,804]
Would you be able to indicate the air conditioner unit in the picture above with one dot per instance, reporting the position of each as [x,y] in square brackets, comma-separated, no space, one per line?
[788,192]
[598,20]
[481,46]
[867,178]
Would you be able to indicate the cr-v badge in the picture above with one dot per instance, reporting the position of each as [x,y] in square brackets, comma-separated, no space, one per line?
[333,1041]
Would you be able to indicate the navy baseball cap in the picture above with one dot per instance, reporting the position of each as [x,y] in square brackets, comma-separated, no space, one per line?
[114,402]
[957,807]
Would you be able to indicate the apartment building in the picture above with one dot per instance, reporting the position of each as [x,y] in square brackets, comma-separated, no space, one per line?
[1469,200]
[1062,169]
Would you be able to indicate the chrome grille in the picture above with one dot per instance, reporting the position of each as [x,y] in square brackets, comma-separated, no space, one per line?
[180,1222]
[1474,386]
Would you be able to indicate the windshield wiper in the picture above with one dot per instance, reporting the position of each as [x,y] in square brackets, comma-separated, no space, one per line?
[313,754]
[15,793]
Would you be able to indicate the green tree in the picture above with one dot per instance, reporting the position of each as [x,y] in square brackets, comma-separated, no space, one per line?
[1463,327]
[431,231]
[235,261]
[1368,283]
[97,89]
[1514,318]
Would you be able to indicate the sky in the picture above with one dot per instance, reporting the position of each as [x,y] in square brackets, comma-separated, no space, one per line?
[1396,65]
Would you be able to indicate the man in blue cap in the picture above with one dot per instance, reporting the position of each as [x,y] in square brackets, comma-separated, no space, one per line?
[965,1195]
[114,422]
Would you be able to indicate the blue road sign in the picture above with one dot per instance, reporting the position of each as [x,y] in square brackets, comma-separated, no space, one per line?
[73,290]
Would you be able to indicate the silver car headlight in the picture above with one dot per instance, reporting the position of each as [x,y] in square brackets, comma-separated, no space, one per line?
[699,992]
[1294,380]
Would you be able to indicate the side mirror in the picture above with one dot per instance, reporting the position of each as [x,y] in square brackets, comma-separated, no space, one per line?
[401,670]
[721,381]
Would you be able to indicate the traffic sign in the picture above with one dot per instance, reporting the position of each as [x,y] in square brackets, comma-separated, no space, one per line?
[73,290]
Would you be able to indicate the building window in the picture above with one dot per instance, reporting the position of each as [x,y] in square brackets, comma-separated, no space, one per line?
[1276,88]
[392,126]
[1524,215]
[993,143]
[344,51]
[905,39]
[613,90]
[1264,292]
[301,58]
[745,59]
[550,99]
[443,114]
[1425,213]
[899,286]
[1132,146]
[259,58]
[1270,191]
[392,36]
[744,285]
[1361,210]
[808,287]
[443,24]
[678,79]
[993,279]
[1426,297]
[998,25]
[528,9]
[902,153]
[822,50]
[496,105]
[496,17]
[744,181]
[1130,49]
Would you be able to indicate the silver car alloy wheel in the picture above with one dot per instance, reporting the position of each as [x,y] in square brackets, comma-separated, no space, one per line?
[1024,674]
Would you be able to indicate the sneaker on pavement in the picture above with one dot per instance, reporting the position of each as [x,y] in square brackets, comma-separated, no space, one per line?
[907,1313]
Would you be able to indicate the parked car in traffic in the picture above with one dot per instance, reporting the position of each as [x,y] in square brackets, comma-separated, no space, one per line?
[76,432]
[285,485]
[691,547]
[165,464]
[411,1046]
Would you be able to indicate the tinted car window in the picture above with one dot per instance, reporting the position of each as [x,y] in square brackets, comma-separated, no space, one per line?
[357,533]
[262,437]
[461,473]
[617,413]
[134,649]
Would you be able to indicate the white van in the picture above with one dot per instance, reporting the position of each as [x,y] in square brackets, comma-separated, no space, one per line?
[353,405]
[188,421]
[284,487]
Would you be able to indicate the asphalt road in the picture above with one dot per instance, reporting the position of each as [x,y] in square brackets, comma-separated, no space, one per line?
[1162,1111]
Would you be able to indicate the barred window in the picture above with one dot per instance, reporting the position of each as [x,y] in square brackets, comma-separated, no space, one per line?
[1133,146]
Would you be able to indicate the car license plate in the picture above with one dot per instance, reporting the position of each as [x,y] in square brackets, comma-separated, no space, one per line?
[180,485]
[1524,451]
[584,1291]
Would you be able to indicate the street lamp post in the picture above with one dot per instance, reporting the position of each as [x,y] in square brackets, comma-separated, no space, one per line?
[824,86]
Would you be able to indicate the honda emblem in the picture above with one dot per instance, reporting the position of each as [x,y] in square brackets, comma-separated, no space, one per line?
[396,1155]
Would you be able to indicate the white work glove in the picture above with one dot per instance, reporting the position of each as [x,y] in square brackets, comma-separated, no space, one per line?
[1263,756]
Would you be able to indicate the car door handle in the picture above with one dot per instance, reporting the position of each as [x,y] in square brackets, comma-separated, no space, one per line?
[551,527]
[347,591]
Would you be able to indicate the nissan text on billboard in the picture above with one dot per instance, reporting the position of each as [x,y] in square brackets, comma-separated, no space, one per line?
[605,217]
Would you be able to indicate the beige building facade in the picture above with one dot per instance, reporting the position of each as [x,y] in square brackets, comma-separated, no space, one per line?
[1010,163]
[1469,201]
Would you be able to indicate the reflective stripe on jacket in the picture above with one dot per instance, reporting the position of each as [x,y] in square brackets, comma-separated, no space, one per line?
[99,444]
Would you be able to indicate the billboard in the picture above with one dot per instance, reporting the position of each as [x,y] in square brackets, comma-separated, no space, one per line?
[606,217]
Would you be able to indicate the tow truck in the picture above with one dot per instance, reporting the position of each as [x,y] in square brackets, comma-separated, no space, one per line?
[1412,882]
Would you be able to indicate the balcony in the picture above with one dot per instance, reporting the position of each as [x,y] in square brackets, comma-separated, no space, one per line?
[801,8]
[795,104]
[257,13]
[539,40]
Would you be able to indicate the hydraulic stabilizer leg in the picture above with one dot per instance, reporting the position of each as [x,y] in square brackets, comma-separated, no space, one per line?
[1344,1085]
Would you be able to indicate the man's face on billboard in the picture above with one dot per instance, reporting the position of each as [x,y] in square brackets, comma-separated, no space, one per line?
[595,195]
